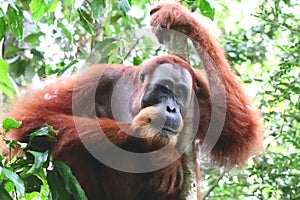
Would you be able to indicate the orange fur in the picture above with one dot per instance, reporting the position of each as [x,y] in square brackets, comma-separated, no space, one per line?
[240,137]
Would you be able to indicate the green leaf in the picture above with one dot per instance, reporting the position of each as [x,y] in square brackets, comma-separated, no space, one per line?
[11,51]
[70,182]
[44,131]
[137,60]
[32,184]
[9,124]
[113,58]
[39,159]
[18,68]
[65,68]
[7,91]
[4,195]
[97,8]
[57,187]
[52,6]
[124,6]
[105,49]
[87,21]
[15,21]
[7,85]
[207,8]
[109,50]
[66,32]
[17,181]
[2,24]
[39,8]
[33,39]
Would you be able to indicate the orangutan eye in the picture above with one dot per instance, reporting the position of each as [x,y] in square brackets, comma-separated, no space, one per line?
[142,77]
[182,94]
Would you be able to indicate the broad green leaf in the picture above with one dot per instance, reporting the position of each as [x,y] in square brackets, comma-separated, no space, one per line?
[32,184]
[57,186]
[39,160]
[104,43]
[18,68]
[39,8]
[3,67]
[70,182]
[15,179]
[2,24]
[9,124]
[15,22]
[109,50]
[207,8]
[11,51]
[7,91]
[105,49]
[113,58]
[86,21]
[97,8]
[33,39]
[137,60]
[44,131]
[4,195]
[52,6]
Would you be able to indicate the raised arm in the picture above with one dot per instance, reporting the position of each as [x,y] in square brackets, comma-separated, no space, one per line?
[234,131]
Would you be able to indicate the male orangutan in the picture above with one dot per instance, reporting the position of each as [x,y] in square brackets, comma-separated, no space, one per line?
[159,92]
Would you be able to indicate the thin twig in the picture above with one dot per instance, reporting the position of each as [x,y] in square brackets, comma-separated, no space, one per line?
[214,186]
[133,46]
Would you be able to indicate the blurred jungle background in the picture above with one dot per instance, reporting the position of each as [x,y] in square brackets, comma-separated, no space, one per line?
[48,38]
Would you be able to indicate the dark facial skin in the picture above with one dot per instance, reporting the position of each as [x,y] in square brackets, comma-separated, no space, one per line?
[169,86]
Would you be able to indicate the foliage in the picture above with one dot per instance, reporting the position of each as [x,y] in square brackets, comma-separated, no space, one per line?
[35,175]
[57,37]
[47,38]
[266,55]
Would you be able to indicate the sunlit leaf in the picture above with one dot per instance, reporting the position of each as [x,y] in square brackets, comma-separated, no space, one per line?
[41,7]
[207,8]
[52,6]
[9,124]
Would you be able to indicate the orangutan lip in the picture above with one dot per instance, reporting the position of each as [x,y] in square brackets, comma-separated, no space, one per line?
[169,131]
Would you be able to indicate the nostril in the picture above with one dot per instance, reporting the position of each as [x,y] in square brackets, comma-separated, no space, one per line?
[171,110]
